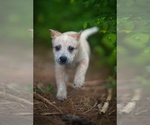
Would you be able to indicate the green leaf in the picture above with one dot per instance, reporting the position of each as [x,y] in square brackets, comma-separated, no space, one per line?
[129,26]
[105,3]
[72,1]
[144,37]
[85,25]
[109,40]
[137,41]
[105,26]
[50,89]
[147,50]
[99,50]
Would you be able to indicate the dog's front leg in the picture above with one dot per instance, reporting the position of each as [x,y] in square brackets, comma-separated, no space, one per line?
[80,73]
[61,85]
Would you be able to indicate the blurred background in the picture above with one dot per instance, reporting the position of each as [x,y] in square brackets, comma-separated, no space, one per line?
[76,15]
[16,62]
[133,62]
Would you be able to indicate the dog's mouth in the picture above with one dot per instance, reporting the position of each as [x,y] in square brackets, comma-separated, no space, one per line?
[64,63]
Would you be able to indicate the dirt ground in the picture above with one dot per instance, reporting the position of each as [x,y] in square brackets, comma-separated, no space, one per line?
[82,107]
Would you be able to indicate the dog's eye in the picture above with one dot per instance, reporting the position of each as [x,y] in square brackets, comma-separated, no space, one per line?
[57,48]
[70,48]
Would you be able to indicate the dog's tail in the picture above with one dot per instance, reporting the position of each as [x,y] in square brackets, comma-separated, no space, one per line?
[86,33]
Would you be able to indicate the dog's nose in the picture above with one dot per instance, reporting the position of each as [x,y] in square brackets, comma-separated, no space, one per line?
[63,59]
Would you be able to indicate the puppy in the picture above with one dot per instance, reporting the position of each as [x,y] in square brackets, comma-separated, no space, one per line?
[70,49]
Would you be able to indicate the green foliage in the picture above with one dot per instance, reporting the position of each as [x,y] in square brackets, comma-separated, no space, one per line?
[75,15]
[105,19]
[50,89]
[111,83]
[16,21]
[133,39]
[133,32]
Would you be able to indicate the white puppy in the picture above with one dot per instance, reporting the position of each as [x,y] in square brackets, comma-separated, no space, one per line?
[70,49]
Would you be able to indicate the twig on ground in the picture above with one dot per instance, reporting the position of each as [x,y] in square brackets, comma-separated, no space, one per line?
[14,98]
[139,113]
[38,87]
[90,108]
[112,112]
[87,88]
[39,97]
[104,108]
[94,83]
[53,113]
[11,87]
[119,108]
[131,105]
[24,114]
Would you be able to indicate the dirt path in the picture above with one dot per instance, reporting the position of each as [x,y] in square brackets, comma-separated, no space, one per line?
[81,107]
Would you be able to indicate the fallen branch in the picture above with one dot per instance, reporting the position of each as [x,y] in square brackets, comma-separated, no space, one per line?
[131,105]
[24,114]
[95,88]
[112,111]
[139,113]
[104,108]
[119,108]
[53,113]
[14,98]
[94,83]
[90,108]
[38,87]
[41,98]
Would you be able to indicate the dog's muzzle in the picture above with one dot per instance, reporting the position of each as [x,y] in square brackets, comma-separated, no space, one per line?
[63,60]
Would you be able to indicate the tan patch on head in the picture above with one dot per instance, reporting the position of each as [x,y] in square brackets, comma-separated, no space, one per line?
[54,33]
[76,35]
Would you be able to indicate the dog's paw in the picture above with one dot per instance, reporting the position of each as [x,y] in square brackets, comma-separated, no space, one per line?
[61,95]
[78,85]
[78,82]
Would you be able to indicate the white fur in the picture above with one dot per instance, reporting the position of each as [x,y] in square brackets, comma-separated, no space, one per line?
[79,57]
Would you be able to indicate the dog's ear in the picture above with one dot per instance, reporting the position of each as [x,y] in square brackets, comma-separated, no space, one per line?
[76,35]
[54,33]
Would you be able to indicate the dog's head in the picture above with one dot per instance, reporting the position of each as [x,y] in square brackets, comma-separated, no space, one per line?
[65,46]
